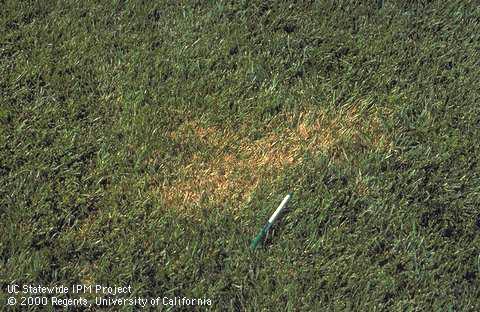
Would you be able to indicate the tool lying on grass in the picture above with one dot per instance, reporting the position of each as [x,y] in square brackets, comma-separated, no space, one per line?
[270,222]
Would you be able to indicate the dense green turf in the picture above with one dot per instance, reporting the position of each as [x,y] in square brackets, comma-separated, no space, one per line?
[110,110]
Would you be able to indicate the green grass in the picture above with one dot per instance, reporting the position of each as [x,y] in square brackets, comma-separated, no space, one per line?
[145,144]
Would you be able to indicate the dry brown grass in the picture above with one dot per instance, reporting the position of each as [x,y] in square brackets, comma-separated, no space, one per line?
[235,175]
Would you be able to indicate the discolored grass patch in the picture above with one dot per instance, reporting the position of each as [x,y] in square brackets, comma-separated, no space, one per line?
[239,163]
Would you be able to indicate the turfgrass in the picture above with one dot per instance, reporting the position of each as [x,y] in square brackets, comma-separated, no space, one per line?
[144,144]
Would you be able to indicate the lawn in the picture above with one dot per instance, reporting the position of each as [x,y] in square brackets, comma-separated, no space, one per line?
[145,144]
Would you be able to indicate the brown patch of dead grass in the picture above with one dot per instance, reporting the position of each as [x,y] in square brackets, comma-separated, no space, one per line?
[235,175]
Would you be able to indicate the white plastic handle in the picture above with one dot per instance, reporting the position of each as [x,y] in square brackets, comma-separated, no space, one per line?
[279,209]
